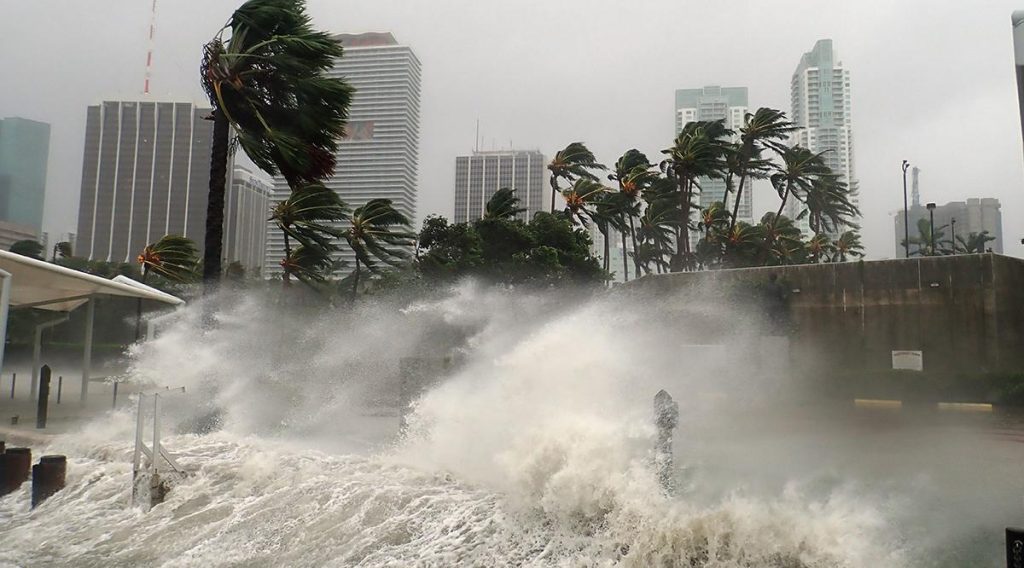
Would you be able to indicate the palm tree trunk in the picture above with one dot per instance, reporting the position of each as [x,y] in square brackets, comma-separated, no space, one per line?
[287,273]
[554,189]
[632,237]
[355,281]
[625,258]
[606,261]
[736,206]
[215,206]
[782,206]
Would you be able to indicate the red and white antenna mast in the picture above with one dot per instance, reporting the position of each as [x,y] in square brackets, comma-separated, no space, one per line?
[149,50]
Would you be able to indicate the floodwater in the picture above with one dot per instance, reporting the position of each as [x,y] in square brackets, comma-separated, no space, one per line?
[536,451]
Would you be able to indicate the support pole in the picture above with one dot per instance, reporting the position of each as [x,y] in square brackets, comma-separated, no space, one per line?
[42,405]
[90,314]
[37,351]
[5,311]
[60,386]
[14,381]
[666,418]
[139,446]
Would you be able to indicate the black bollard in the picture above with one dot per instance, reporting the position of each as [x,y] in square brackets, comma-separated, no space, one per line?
[44,396]
[114,405]
[15,464]
[14,381]
[666,417]
[60,386]
[48,478]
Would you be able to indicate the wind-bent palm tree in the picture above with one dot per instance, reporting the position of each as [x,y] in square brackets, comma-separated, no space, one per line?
[378,232]
[820,248]
[634,175]
[606,213]
[580,197]
[28,247]
[848,244]
[782,242]
[656,233]
[309,216]
[173,257]
[504,204]
[267,81]
[698,152]
[713,224]
[765,128]
[794,177]
[310,264]
[925,245]
[974,243]
[828,205]
[62,250]
[571,163]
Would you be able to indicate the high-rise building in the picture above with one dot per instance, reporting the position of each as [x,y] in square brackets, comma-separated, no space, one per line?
[956,219]
[145,174]
[1017,19]
[24,151]
[246,209]
[480,174]
[730,105]
[379,156]
[820,97]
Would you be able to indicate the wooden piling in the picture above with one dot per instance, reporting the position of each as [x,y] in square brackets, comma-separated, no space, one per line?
[48,477]
[15,464]
[60,386]
[42,405]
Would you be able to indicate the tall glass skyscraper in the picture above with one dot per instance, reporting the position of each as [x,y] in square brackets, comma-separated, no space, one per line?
[715,103]
[820,97]
[24,152]
[379,157]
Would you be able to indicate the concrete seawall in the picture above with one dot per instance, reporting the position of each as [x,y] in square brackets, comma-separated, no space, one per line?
[964,314]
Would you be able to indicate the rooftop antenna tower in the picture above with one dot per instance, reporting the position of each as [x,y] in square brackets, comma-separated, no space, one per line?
[476,141]
[149,49]
[915,192]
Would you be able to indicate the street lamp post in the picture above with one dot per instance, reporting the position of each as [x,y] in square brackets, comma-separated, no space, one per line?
[952,230]
[906,214]
[931,224]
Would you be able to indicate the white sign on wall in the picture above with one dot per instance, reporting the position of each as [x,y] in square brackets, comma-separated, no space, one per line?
[908,360]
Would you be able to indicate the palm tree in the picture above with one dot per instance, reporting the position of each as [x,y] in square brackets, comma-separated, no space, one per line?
[310,264]
[743,245]
[62,250]
[656,233]
[714,224]
[848,244]
[267,81]
[503,205]
[923,240]
[781,240]
[828,205]
[173,257]
[698,152]
[974,243]
[310,216]
[765,128]
[799,168]
[570,163]
[376,229]
[634,175]
[820,248]
[580,197]
[606,213]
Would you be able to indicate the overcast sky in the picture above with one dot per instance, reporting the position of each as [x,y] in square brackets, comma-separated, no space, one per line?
[932,80]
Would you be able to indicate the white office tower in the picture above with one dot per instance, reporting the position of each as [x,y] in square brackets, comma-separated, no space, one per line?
[379,156]
[820,91]
[480,174]
[246,209]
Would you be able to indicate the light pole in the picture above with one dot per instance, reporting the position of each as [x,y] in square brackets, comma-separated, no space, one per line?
[952,229]
[931,224]
[906,214]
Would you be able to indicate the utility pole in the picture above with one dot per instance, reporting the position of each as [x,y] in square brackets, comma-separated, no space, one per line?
[906,212]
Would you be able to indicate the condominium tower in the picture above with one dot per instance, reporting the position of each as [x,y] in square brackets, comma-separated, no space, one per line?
[24,152]
[379,156]
[480,174]
[145,174]
[728,104]
[820,98]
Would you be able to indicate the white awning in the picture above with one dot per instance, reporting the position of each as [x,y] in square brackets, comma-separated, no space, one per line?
[47,286]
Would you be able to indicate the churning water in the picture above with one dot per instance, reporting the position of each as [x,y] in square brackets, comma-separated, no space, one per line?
[534,449]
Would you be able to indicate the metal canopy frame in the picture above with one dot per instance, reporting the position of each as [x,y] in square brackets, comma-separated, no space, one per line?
[76,288]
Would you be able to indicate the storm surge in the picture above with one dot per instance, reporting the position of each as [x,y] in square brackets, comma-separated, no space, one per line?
[533,446]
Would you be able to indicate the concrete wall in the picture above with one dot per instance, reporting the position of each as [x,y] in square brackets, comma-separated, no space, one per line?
[965,313]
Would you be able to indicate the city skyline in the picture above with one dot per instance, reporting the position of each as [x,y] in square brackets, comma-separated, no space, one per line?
[903,108]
